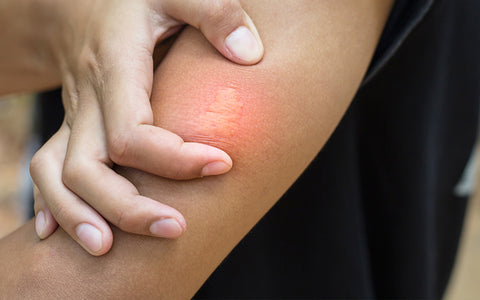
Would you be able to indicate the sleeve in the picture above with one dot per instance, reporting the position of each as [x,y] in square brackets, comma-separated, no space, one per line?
[405,16]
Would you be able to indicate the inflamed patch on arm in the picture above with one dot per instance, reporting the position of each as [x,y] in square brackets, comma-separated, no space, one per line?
[223,113]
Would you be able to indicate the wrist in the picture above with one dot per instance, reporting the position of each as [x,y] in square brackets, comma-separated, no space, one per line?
[25,60]
[46,26]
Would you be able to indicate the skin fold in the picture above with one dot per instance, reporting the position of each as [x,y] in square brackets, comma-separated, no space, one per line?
[271,118]
[223,115]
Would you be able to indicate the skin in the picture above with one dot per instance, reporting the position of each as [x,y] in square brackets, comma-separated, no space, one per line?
[101,53]
[225,111]
[281,113]
[223,115]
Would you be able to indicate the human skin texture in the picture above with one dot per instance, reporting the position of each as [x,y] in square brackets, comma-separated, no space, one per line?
[271,118]
[101,54]
[223,110]
[223,115]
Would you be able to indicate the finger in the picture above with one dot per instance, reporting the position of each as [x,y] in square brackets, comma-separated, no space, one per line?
[164,153]
[116,199]
[132,140]
[88,174]
[45,223]
[76,217]
[224,23]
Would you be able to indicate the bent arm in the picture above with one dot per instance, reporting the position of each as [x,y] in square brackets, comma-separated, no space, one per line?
[272,119]
[25,62]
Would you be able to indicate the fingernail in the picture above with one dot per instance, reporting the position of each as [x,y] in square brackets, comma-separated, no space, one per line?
[167,228]
[215,168]
[90,237]
[40,224]
[243,45]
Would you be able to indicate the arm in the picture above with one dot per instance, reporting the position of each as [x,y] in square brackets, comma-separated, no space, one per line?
[40,40]
[101,51]
[25,62]
[272,118]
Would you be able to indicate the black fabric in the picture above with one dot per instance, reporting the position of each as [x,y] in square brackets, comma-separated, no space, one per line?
[49,114]
[374,216]
[405,16]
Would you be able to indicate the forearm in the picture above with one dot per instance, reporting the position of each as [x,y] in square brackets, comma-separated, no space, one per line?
[25,60]
[271,118]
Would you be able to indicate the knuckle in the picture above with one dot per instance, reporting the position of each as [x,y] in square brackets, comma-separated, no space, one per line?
[221,12]
[89,64]
[72,169]
[182,170]
[119,146]
[38,163]
[87,59]
[63,214]
[127,218]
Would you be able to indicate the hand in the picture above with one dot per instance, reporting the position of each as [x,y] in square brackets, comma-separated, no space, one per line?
[104,51]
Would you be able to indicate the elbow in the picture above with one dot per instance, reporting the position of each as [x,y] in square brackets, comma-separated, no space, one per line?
[232,112]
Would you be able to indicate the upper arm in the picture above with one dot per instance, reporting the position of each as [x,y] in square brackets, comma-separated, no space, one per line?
[271,118]
[316,55]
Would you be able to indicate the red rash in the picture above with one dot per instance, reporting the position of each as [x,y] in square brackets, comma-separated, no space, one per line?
[223,114]
[214,109]
[217,102]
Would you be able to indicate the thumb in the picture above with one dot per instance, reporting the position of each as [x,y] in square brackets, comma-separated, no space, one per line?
[224,23]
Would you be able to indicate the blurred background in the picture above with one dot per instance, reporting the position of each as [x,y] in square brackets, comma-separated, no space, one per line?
[17,121]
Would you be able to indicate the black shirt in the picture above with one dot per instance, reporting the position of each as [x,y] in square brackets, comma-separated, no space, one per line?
[378,199]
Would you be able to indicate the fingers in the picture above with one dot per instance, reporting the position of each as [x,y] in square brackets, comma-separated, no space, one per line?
[120,70]
[164,153]
[133,141]
[116,199]
[224,23]
[87,172]
[76,217]
[45,223]
[77,188]
[121,73]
